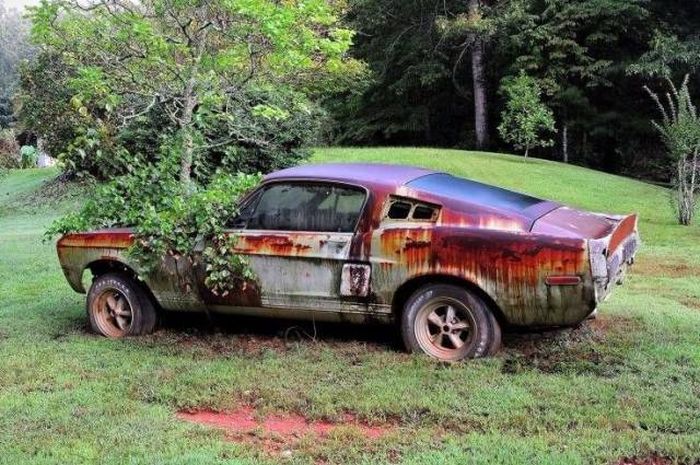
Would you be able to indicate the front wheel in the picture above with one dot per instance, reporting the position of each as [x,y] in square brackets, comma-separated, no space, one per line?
[449,323]
[119,306]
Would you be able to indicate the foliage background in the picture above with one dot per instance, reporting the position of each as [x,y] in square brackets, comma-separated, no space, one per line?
[592,57]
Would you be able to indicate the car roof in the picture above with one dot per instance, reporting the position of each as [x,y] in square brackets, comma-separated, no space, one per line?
[355,173]
[431,182]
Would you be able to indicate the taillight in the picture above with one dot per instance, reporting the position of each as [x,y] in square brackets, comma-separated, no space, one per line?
[567,280]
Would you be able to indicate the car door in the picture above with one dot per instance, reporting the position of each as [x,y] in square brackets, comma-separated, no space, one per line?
[297,238]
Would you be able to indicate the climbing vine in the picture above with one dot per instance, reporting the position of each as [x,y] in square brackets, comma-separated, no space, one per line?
[171,222]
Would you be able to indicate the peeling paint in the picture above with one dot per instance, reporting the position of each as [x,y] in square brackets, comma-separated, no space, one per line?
[355,276]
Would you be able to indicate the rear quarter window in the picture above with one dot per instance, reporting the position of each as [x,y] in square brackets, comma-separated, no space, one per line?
[399,209]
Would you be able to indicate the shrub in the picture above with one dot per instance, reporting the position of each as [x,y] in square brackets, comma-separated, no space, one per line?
[241,96]
[264,129]
[526,118]
[680,131]
[9,150]
[169,221]
[29,156]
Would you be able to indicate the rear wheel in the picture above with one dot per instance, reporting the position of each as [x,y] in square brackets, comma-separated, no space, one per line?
[119,306]
[449,323]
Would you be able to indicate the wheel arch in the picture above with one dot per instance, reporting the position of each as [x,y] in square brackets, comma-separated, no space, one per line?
[74,267]
[404,292]
[108,265]
[103,266]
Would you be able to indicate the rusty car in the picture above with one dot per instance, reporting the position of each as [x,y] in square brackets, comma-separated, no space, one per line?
[447,260]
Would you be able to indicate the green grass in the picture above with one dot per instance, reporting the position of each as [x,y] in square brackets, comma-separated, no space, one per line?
[626,385]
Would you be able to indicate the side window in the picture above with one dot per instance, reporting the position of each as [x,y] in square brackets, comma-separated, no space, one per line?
[245,212]
[308,207]
[411,210]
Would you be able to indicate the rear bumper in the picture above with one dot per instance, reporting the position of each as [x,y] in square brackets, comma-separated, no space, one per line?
[608,267]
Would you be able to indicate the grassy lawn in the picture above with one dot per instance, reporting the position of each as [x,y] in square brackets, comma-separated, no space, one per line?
[627,384]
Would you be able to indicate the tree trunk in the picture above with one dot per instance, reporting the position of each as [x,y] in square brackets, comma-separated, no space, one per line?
[190,100]
[479,81]
[693,186]
[565,143]
[527,150]
[187,139]
[187,157]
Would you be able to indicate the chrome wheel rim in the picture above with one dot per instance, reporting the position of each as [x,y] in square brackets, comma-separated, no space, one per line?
[113,313]
[444,329]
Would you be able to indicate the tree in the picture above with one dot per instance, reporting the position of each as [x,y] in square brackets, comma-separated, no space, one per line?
[475,31]
[674,46]
[45,109]
[668,56]
[525,118]
[409,97]
[479,79]
[7,116]
[680,131]
[14,48]
[574,49]
[192,61]
[421,90]
[175,96]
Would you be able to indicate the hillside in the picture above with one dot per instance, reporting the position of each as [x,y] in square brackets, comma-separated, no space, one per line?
[568,184]
[625,385]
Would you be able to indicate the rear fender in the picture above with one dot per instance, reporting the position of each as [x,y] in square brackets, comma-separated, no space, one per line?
[610,256]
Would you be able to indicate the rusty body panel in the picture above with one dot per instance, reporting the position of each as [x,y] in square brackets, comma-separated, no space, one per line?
[536,262]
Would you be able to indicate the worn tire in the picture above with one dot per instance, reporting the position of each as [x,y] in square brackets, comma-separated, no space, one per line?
[127,295]
[428,327]
[496,340]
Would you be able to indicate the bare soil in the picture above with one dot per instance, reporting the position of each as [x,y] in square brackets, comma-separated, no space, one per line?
[280,431]
[669,268]
[652,459]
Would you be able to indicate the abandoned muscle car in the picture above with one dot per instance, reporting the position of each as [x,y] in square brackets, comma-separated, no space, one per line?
[448,259]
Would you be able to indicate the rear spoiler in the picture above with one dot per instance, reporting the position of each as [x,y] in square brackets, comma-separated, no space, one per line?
[624,229]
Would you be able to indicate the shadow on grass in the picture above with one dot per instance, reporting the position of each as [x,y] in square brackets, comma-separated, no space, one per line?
[227,334]
[582,349]
[586,349]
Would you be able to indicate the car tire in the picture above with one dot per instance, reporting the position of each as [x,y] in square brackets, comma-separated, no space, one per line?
[119,306]
[449,323]
[496,340]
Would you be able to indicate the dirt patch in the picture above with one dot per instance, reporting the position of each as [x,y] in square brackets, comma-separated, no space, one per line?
[225,336]
[667,267]
[578,350]
[605,326]
[281,432]
[214,345]
[691,302]
[652,459]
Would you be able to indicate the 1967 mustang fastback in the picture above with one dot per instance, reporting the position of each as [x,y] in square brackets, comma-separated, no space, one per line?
[449,260]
